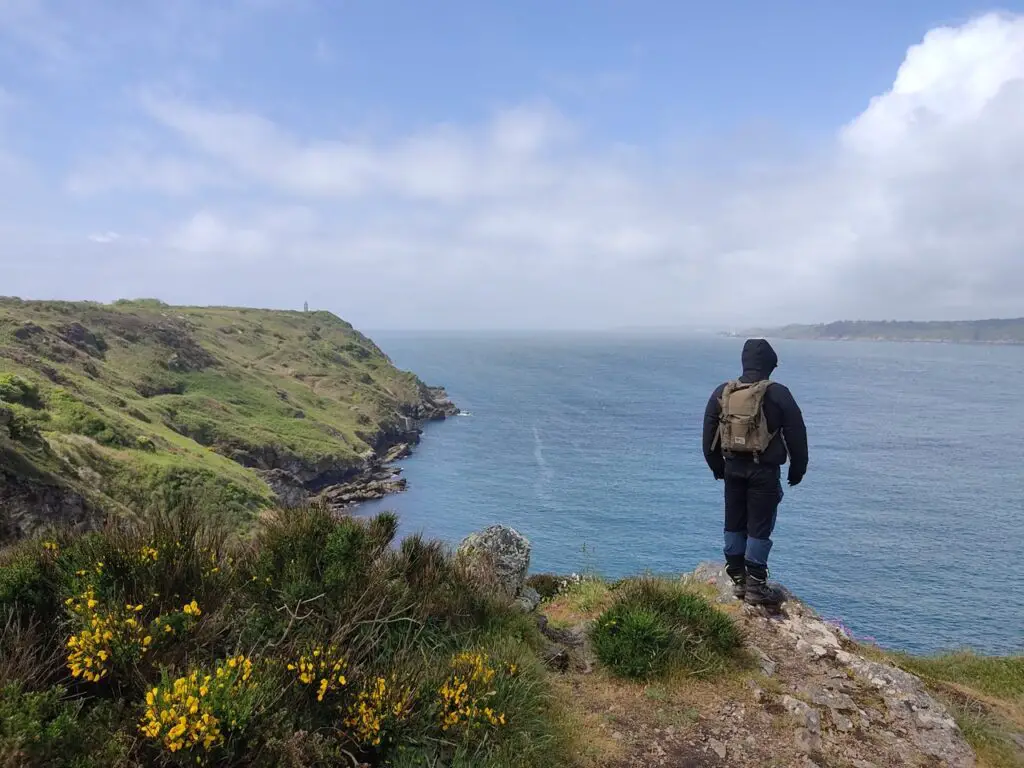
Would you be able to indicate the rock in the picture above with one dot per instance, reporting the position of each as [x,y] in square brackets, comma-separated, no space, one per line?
[820,664]
[501,555]
[288,489]
[6,416]
[831,699]
[81,337]
[400,451]
[718,748]
[766,663]
[806,741]
[842,722]
[573,637]
[528,600]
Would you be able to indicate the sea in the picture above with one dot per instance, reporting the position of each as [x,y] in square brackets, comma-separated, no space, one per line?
[908,528]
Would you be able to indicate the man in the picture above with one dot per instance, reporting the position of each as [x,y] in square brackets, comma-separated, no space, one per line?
[746,445]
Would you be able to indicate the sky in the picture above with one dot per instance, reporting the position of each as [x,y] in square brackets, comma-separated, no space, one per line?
[528,165]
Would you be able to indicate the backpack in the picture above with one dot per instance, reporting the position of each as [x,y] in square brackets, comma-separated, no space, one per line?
[742,426]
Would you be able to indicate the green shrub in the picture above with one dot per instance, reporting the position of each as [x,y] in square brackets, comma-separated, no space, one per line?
[548,585]
[46,728]
[15,389]
[24,583]
[350,638]
[657,627]
[73,416]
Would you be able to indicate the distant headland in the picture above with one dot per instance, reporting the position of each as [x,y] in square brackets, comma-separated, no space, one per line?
[996,331]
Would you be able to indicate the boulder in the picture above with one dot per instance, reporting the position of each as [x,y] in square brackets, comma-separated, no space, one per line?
[528,600]
[500,555]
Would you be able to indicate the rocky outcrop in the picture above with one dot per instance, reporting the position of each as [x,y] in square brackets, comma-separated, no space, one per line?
[30,506]
[500,557]
[296,481]
[376,485]
[845,709]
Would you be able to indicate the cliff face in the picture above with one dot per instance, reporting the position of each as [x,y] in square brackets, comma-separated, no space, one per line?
[108,407]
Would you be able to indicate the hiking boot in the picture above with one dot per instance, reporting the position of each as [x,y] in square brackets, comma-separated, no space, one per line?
[758,592]
[739,582]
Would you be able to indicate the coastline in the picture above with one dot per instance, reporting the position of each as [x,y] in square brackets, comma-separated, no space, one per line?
[378,475]
[879,339]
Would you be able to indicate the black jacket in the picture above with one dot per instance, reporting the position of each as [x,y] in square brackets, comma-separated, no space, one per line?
[780,410]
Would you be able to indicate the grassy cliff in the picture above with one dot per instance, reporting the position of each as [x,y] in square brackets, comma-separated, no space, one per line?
[114,407]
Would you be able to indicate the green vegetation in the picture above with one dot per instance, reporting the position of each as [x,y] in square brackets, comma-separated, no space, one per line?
[317,641]
[658,627]
[117,404]
[985,695]
[1009,331]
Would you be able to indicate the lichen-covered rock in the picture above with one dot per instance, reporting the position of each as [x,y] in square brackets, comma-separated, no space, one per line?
[500,555]
[877,714]
[528,600]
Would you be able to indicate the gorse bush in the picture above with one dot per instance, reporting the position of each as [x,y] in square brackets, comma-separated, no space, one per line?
[317,641]
[47,728]
[656,628]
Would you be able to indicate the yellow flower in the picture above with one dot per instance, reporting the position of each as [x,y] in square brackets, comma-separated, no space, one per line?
[185,714]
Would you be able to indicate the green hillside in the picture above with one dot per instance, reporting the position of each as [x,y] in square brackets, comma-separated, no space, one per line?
[110,407]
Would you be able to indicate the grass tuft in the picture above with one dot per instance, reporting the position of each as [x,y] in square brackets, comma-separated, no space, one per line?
[656,628]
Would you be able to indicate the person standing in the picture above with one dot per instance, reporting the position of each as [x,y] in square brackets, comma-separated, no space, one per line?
[752,426]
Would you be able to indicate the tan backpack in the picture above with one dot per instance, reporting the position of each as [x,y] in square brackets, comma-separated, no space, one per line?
[742,427]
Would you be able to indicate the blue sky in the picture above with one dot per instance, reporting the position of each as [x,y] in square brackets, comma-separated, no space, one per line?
[476,165]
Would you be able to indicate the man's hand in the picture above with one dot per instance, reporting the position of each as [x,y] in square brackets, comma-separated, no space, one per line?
[795,479]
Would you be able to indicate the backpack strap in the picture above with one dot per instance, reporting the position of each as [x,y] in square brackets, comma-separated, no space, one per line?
[723,402]
[763,385]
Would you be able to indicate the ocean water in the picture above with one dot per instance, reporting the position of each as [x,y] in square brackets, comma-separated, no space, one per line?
[909,526]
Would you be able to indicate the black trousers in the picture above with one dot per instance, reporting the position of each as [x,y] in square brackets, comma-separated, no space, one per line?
[753,493]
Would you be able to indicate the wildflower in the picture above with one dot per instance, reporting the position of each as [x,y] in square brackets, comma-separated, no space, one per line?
[464,691]
[191,609]
[326,666]
[103,636]
[377,705]
[188,713]
[149,554]
[51,546]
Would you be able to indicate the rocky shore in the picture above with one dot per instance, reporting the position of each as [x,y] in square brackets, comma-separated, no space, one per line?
[375,476]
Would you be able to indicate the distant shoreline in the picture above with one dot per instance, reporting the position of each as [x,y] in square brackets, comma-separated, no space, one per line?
[994,331]
[878,339]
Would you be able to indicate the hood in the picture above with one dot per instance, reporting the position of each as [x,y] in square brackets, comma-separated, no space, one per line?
[759,359]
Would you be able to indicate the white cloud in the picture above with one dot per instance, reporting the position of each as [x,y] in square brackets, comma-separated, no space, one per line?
[138,171]
[444,163]
[913,210]
[105,237]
